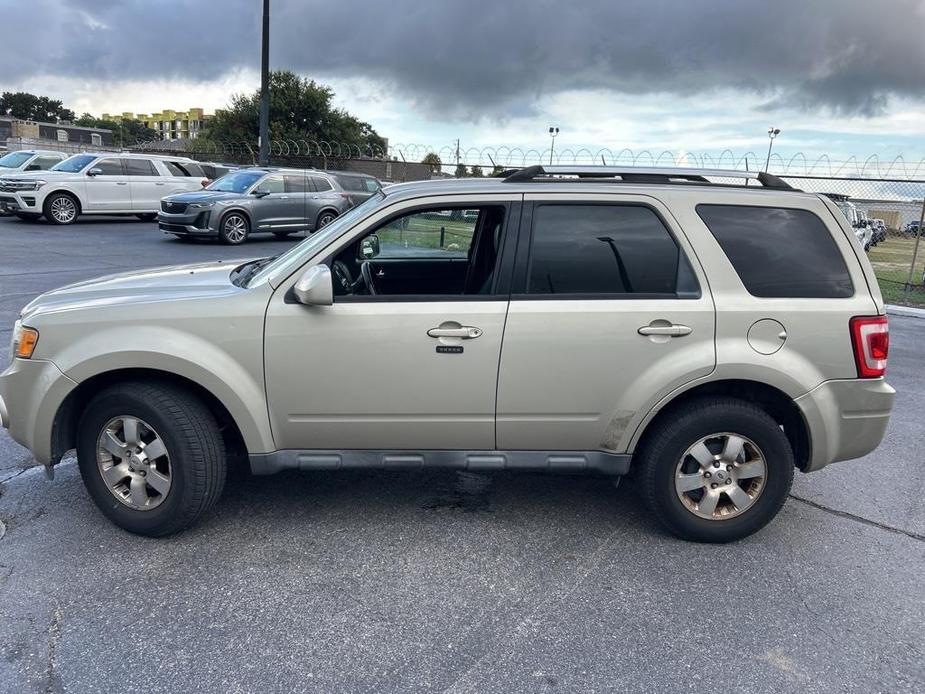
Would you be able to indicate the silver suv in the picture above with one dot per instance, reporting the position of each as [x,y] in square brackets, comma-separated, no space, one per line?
[711,338]
[278,201]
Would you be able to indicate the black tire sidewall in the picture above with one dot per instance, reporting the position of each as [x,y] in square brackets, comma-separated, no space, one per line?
[326,213]
[159,520]
[50,201]
[745,421]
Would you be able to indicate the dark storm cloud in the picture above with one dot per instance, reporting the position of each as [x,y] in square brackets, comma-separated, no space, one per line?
[489,58]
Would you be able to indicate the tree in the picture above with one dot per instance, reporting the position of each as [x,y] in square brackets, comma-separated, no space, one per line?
[461,171]
[476,171]
[432,159]
[125,132]
[300,109]
[31,107]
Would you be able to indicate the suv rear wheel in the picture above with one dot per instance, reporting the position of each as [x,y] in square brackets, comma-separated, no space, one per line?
[716,470]
[325,218]
[234,229]
[151,457]
[61,208]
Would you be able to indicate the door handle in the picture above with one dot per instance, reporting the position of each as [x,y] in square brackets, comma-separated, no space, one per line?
[672,330]
[283,197]
[121,183]
[160,184]
[466,332]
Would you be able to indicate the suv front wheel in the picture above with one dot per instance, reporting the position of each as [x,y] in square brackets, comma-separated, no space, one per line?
[234,229]
[716,469]
[151,457]
[61,208]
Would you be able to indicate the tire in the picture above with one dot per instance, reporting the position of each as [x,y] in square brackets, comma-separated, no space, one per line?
[234,229]
[193,460]
[664,454]
[61,209]
[147,217]
[325,218]
[28,216]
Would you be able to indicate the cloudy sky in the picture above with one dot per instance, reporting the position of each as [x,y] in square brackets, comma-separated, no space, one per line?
[839,77]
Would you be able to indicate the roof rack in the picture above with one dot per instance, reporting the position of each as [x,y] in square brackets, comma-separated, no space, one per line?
[637,174]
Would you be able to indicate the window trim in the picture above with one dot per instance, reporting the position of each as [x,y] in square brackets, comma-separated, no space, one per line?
[838,249]
[525,251]
[501,282]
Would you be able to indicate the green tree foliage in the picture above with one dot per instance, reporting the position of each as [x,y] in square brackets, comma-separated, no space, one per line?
[476,171]
[125,133]
[300,109]
[461,171]
[432,159]
[31,107]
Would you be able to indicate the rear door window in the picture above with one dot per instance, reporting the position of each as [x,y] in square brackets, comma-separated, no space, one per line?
[779,252]
[295,183]
[605,250]
[321,184]
[139,167]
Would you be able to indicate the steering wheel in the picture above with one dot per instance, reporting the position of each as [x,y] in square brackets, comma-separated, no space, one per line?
[366,271]
[342,276]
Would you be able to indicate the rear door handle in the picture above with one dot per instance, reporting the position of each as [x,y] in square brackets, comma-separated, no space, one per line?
[673,330]
[121,183]
[466,332]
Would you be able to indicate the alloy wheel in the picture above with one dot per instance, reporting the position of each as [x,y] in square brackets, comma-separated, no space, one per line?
[720,476]
[235,228]
[63,209]
[325,219]
[133,462]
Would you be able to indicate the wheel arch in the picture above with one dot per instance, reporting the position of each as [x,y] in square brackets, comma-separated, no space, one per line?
[66,191]
[327,208]
[240,210]
[67,417]
[772,400]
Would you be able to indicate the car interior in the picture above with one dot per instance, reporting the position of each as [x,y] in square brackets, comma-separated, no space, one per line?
[438,252]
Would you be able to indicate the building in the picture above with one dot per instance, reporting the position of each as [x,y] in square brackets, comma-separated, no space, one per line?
[169,124]
[62,135]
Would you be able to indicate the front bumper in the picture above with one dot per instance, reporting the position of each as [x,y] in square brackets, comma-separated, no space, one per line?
[192,223]
[22,202]
[846,418]
[31,391]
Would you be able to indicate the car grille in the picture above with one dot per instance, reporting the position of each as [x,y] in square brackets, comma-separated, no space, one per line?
[10,186]
[173,207]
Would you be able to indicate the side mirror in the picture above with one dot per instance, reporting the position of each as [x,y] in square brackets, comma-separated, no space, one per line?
[257,193]
[369,247]
[315,287]
[94,172]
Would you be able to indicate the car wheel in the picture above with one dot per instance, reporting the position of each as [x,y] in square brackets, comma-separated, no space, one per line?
[325,218]
[148,217]
[716,470]
[28,216]
[234,229]
[151,457]
[61,209]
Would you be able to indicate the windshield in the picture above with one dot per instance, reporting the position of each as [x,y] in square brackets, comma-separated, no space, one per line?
[237,182]
[14,160]
[320,238]
[74,164]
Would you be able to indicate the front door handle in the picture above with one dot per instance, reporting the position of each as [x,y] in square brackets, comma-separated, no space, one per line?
[121,183]
[466,332]
[671,330]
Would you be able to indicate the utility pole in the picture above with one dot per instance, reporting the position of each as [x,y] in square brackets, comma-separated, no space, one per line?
[772,133]
[553,132]
[457,152]
[263,157]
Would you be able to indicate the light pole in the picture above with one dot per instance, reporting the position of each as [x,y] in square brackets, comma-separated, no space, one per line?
[772,133]
[263,156]
[553,132]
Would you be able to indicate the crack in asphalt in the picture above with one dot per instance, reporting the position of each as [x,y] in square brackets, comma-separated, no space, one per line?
[860,519]
[54,636]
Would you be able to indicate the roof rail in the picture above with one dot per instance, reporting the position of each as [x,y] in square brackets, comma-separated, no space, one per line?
[638,174]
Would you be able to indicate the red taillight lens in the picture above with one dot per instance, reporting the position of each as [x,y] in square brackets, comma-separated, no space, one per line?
[870,336]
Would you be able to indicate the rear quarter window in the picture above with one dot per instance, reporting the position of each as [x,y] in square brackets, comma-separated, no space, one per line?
[779,252]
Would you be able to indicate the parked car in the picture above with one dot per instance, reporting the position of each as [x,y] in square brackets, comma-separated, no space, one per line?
[258,200]
[878,231]
[27,160]
[213,171]
[643,320]
[357,186]
[99,184]
[911,229]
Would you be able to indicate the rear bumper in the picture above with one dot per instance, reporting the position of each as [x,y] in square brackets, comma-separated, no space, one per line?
[31,391]
[847,419]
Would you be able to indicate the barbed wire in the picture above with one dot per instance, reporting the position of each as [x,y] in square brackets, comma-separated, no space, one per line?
[503,156]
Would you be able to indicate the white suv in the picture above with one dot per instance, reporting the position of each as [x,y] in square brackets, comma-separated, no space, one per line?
[26,160]
[99,184]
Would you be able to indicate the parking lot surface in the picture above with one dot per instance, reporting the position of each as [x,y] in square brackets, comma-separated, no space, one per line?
[449,582]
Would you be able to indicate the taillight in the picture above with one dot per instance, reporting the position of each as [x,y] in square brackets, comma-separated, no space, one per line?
[870,336]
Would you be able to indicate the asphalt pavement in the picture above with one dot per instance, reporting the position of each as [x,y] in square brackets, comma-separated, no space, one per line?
[449,582]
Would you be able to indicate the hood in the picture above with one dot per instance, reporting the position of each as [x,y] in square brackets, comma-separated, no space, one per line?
[18,175]
[154,285]
[201,196]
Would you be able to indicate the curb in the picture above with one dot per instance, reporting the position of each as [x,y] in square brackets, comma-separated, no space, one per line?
[905,311]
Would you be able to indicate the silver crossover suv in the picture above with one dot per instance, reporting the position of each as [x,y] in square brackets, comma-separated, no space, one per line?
[710,338]
[278,201]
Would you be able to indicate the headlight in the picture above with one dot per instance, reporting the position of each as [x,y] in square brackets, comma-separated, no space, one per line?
[24,341]
[38,184]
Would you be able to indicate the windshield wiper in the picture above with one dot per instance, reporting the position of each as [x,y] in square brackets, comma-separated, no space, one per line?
[248,270]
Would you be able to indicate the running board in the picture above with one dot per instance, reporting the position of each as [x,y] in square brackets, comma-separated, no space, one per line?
[548,461]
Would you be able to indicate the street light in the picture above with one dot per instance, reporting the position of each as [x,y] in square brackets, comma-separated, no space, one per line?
[772,133]
[553,131]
